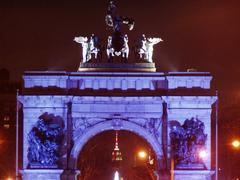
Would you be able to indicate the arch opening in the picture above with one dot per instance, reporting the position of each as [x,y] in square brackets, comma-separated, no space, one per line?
[95,158]
[81,139]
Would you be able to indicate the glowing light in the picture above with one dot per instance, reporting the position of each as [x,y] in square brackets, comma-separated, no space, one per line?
[236,143]
[116,154]
[142,154]
[9,178]
[1,141]
[151,161]
[202,154]
[116,176]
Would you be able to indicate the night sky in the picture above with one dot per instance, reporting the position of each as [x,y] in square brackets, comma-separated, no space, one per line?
[38,35]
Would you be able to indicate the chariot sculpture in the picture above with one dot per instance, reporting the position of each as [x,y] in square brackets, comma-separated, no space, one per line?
[117,43]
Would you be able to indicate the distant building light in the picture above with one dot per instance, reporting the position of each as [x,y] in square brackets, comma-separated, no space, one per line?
[151,162]
[6,118]
[116,154]
[6,126]
[191,70]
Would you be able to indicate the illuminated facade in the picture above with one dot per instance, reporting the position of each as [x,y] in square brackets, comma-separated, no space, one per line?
[63,110]
[92,102]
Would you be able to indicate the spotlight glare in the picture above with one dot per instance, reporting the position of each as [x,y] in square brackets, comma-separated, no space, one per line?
[202,154]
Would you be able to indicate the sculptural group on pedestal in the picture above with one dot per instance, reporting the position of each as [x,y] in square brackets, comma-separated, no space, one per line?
[117,43]
[123,51]
[145,48]
[45,140]
[89,46]
[187,140]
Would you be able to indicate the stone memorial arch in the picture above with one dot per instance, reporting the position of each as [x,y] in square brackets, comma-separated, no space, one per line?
[88,103]
[172,111]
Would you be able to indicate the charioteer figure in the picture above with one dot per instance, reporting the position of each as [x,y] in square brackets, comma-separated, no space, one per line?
[115,21]
[118,43]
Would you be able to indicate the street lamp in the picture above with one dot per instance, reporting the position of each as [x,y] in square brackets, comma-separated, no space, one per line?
[145,161]
[236,143]
[140,157]
[142,154]
[235,146]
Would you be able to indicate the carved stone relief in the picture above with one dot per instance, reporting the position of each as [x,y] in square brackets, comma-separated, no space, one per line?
[45,140]
[187,140]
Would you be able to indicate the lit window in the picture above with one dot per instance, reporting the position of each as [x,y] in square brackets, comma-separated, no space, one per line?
[6,126]
[6,118]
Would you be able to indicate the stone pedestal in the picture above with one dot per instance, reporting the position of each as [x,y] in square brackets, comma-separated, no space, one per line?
[193,174]
[42,174]
[119,67]
[70,174]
